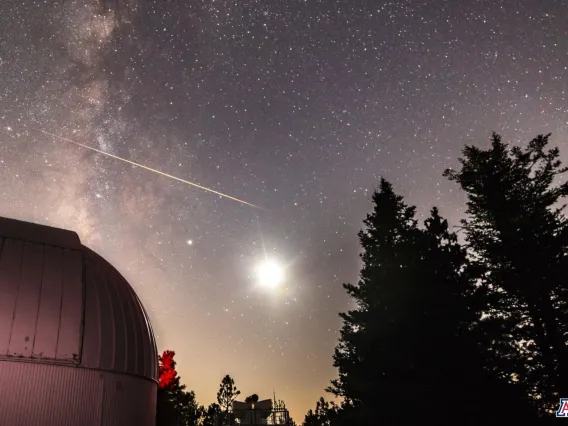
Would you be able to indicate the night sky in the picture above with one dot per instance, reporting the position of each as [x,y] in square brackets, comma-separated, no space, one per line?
[295,106]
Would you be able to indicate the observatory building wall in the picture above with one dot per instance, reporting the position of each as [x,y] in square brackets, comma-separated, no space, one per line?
[69,396]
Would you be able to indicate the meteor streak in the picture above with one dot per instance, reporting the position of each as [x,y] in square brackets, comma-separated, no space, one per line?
[148,168]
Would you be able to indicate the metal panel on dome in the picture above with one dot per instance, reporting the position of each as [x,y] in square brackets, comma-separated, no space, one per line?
[58,334]
[10,266]
[151,349]
[71,315]
[117,335]
[42,234]
[45,342]
[26,311]
[37,282]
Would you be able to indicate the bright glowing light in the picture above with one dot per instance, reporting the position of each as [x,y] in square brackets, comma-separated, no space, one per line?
[189,242]
[270,274]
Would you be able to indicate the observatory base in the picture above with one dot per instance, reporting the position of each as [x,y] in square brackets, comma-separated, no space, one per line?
[34,394]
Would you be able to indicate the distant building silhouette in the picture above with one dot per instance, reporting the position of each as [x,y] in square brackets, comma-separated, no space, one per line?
[76,346]
[254,412]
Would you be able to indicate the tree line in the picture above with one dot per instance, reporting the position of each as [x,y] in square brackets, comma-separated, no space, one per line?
[177,406]
[469,330]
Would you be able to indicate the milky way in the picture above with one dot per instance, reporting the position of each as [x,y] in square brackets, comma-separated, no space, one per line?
[297,106]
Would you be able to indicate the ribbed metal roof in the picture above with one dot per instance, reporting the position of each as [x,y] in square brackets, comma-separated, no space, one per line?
[62,303]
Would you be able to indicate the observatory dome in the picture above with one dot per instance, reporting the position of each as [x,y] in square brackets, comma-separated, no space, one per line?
[76,345]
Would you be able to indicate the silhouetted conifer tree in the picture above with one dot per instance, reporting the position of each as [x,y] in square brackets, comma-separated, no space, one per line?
[226,394]
[518,236]
[406,353]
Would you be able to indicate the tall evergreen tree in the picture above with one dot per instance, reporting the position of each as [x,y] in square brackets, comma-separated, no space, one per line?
[518,236]
[406,353]
[227,393]
[385,242]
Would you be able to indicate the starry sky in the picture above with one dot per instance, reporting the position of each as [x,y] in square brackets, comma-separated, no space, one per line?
[297,106]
